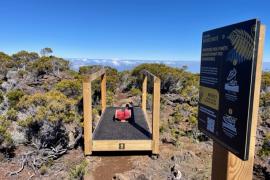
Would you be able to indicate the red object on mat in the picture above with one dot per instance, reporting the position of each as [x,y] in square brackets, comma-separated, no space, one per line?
[122,115]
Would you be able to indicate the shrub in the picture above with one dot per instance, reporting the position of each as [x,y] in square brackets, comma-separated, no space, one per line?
[173,80]
[265,99]
[113,77]
[43,169]
[78,171]
[265,113]
[52,106]
[265,80]
[22,73]
[46,65]
[162,128]
[265,150]
[1,97]
[11,114]
[192,119]
[74,74]
[6,63]
[5,137]
[135,92]
[14,97]
[25,56]
[22,58]
[177,118]
[110,98]
[71,88]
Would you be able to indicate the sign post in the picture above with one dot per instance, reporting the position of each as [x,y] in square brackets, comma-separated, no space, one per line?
[229,96]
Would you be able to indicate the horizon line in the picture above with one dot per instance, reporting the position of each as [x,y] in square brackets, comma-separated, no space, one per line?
[126,59]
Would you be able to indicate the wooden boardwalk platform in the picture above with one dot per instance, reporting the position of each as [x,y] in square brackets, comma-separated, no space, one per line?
[110,129]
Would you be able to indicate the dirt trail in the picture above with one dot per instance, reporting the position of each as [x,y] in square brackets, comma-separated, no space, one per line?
[121,99]
[110,165]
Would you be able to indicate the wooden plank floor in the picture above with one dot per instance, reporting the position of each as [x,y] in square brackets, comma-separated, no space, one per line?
[110,129]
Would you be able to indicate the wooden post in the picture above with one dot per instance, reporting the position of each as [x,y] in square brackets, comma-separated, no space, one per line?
[156,115]
[103,92]
[87,115]
[144,94]
[225,165]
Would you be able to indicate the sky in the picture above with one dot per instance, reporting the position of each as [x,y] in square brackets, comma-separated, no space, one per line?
[122,29]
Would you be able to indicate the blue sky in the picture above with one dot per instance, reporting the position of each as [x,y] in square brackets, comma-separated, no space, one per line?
[129,29]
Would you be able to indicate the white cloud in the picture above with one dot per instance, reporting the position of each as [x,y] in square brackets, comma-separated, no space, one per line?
[96,61]
[128,62]
[115,62]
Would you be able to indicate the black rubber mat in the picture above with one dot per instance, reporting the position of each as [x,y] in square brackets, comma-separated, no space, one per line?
[110,129]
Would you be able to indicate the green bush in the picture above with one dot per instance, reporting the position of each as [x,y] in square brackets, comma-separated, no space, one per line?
[112,75]
[110,98]
[265,99]
[22,73]
[265,149]
[177,118]
[11,114]
[6,63]
[43,169]
[265,80]
[1,97]
[5,137]
[22,58]
[78,171]
[192,119]
[14,97]
[52,106]
[74,74]
[25,56]
[46,65]
[71,88]
[135,92]
[172,79]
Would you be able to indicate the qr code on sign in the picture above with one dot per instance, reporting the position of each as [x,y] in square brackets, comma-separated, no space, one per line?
[210,124]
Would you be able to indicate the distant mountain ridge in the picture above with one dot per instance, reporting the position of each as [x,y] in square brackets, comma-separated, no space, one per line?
[128,64]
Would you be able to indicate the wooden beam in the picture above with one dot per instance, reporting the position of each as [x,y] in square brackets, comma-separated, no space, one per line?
[225,165]
[149,74]
[103,92]
[95,75]
[144,94]
[87,116]
[156,115]
[122,145]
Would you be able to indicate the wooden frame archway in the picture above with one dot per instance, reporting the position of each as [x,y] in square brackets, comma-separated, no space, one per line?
[112,145]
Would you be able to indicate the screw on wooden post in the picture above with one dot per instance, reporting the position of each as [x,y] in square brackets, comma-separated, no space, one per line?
[144,94]
[225,165]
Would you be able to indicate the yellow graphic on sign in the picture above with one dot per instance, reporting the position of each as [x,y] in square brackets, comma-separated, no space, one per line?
[209,97]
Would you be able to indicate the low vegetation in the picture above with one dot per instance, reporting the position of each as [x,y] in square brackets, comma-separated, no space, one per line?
[265,149]
[52,106]
[1,97]
[173,80]
[71,88]
[5,137]
[14,97]
[78,171]
[46,65]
